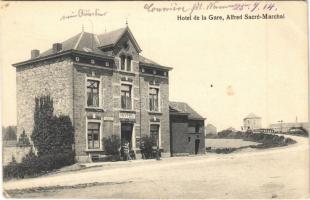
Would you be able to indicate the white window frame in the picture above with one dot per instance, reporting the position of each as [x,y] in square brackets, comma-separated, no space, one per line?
[131,94]
[100,133]
[159,131]
[148,98]
[126,62]
[100,90]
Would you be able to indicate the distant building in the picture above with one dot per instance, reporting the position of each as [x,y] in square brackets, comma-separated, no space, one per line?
[186,130]
[252,122]
[210,129]
[285,127]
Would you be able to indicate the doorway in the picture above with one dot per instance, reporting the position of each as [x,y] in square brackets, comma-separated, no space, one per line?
[126,133]
[197,141]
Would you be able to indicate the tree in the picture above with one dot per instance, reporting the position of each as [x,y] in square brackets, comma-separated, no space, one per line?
[9,133]
[43,114]
[51,134]
[23,140]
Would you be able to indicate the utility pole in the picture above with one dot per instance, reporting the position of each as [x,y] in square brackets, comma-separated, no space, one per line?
[281,121]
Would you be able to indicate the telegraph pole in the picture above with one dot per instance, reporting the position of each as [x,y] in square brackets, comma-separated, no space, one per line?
[281,121]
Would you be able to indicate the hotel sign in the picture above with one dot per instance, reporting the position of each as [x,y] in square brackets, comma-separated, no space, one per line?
[127,116]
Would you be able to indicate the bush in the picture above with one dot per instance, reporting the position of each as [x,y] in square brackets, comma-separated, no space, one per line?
[23,140]
[9,133]
[112,145]
[33,165]
[147,147]
[52,136]
[224,134]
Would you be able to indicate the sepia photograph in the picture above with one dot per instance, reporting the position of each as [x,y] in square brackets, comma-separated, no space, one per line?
[154,99]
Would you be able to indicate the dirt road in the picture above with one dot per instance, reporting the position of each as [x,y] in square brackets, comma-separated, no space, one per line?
[272,173]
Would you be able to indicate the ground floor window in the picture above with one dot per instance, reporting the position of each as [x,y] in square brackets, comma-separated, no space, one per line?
[93,135]
[154,133]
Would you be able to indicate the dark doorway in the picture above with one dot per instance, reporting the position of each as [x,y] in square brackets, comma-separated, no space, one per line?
[197,146]
[126,133]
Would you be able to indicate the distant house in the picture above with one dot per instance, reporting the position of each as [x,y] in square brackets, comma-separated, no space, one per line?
[186,130]
[210,129]
[252,122]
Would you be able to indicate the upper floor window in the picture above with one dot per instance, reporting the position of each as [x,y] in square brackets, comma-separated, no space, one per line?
[126,63]
[126,97]
[129,63]
[123,60]
[197,128]
[153,98]
[92,93]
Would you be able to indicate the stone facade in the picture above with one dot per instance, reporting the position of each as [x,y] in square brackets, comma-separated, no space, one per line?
[187,130]
[53,77]
[64,76]
[186,138]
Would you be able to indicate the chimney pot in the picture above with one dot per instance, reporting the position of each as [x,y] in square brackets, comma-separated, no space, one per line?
[57,47]
[35,53]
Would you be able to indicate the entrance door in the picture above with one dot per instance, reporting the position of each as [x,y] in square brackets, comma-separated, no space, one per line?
[197,146]
[126,133]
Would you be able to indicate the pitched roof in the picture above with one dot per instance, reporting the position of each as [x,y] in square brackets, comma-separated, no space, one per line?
[93,43]
[110,38]
[146,60]
[251,116]
[182,107]
[90,42]
[84,41]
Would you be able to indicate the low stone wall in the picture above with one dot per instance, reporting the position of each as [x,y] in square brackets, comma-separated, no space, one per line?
[17,152]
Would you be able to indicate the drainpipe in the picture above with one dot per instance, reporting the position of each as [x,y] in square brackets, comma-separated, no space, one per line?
[140,104]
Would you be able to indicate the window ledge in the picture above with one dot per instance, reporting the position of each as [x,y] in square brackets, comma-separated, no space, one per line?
[128,111]
[127,72]
[94,150]
[96,109]
[155,112]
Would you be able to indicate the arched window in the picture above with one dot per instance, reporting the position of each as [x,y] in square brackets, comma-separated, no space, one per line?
[123,58]
[129,63]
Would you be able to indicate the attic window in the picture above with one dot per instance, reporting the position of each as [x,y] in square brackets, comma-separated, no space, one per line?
[126,45]
[123,62]
[87,49]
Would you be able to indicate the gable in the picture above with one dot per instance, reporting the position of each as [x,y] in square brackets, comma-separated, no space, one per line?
[125,46]
[115,41]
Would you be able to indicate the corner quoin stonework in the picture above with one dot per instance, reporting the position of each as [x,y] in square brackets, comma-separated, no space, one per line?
[64,79]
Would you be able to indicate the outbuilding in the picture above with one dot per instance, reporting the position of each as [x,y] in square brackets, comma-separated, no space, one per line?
[186,130]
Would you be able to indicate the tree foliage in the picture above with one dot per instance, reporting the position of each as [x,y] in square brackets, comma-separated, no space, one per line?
[9,133]
[51,134]
[112,145]
[23,140]
[147,147]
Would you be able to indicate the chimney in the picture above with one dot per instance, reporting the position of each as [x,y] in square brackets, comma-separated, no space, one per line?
[57,47]
[35,53]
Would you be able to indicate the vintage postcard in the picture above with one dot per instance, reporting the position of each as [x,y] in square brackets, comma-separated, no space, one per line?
[155,99]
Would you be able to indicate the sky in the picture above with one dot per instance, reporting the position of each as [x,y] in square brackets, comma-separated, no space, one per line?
[223,69]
